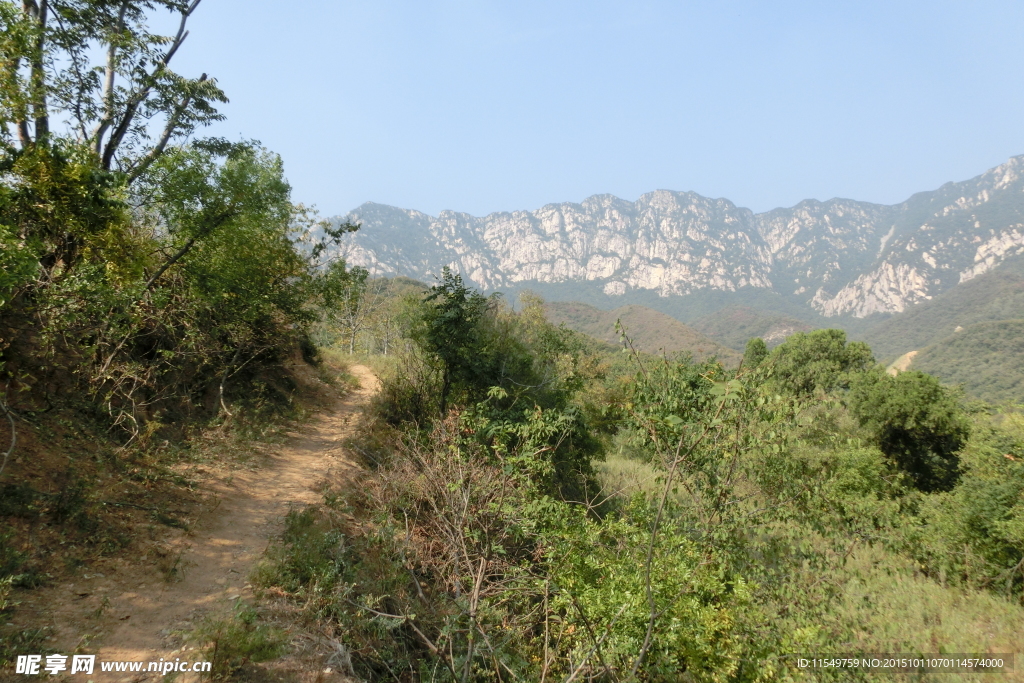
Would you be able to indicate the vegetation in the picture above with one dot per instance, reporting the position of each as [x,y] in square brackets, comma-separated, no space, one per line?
[735,325]
[998,295]
[987,359]
[538,505]
[915,422]
[540,510]
[818,362]
[153,283]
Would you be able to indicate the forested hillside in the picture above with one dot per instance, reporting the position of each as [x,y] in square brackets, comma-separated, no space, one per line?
[737,325]
[998,295]
[987,359]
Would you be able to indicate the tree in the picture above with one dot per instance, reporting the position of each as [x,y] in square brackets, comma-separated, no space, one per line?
[451,332]
[88,104]
[350,309]
[756,352]
[94,67]
[817,361]
[916,423]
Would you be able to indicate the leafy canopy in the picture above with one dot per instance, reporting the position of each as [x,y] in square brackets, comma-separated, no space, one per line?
[915,421]
[822,360]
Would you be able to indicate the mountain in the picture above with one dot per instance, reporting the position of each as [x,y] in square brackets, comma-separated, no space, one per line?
[649,330]
[689,255]
[986,358]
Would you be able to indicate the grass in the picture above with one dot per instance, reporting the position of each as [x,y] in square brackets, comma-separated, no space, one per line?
[242,638]
[902,611]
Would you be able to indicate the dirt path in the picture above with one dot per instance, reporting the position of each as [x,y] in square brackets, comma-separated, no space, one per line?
[143,610]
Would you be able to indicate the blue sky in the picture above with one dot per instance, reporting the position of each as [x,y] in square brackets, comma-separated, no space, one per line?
[494,106]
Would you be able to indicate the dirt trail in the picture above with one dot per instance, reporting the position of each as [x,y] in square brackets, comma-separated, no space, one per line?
[216,559]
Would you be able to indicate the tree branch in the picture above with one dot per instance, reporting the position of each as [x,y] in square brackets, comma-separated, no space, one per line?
[172,124]
[140,96]
[108,82]
[218,221]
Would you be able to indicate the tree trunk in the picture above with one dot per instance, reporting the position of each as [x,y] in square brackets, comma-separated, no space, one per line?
[446,386]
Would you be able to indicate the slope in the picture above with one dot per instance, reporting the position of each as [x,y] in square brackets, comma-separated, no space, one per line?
[736,325]
[987,358]
[651,331]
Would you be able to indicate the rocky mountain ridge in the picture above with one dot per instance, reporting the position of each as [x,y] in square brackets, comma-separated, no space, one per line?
[836,258]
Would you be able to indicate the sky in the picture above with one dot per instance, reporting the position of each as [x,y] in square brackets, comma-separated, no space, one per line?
[496,106]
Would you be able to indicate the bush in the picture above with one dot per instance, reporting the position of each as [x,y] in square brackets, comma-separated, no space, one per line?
[916,422]
[975,533]
[233,642]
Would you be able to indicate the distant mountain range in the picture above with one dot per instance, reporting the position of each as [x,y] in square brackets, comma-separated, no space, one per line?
[691,256]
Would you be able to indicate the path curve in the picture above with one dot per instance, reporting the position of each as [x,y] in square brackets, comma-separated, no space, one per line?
[229,539]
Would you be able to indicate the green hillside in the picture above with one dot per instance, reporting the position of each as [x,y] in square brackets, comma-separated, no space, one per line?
[736,325]
[987,358]
[994,296]
[651,331]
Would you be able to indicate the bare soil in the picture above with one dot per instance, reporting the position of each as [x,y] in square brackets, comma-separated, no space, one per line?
[138,608]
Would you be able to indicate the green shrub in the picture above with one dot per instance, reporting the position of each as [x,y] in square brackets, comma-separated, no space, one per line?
[915,421]
[817,361]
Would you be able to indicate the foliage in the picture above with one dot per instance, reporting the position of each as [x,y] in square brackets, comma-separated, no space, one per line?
[765,524]
[651,331]
[755,352]
[94,73]
[451,331]
[916,422]
[735,325]
[975,532]
[822,360]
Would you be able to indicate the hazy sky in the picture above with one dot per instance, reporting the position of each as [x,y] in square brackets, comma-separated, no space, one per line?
[492,106]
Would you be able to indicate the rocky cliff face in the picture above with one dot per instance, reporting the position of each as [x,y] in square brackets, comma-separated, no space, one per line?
[840,257]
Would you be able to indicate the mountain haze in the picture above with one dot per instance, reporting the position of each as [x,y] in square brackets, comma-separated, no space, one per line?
[838,258]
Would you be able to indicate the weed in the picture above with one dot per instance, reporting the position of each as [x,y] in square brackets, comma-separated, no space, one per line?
[19,500]
[18,642]
[233,642]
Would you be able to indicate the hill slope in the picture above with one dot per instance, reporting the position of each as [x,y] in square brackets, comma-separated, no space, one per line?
[736,325]
[987,358]
[651,331]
